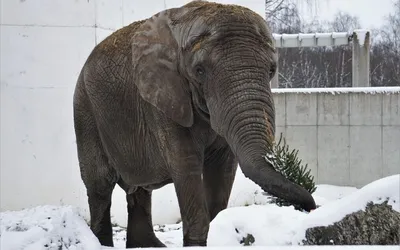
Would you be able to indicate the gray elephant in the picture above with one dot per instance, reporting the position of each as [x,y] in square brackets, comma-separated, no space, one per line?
[182,98]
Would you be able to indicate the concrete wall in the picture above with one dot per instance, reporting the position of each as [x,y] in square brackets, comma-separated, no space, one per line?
[347,137]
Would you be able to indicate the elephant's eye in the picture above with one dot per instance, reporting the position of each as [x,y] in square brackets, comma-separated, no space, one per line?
[200,71]
[272,70]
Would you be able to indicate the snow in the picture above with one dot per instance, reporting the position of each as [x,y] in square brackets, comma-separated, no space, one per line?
[311,39]
[366,90]
[323,35]
[277,227]
[57,227]
[377,192]
[326,193]
[286,226]
[361,35]
[340,35]
[290,36]
[306,36]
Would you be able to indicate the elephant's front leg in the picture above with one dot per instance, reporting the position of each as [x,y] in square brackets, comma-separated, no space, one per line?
[193,205]
[218,176]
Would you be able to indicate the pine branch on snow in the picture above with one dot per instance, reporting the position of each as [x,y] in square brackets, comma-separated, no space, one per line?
[287,162]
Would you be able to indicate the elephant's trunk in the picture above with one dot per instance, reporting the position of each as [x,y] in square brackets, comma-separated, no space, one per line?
[273,182]
[250,116]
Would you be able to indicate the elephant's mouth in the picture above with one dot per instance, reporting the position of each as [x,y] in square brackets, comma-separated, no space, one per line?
[203,112]
[200,106]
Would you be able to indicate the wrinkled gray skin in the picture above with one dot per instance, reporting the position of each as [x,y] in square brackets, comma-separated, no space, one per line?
[179,98]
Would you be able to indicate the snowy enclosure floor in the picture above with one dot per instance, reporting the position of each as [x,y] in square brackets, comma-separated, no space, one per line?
[62,227]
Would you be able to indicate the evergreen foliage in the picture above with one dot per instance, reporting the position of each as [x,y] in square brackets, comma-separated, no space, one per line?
[287,162]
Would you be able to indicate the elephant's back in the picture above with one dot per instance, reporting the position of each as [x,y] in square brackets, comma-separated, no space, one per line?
[120,40]
[108,68]
[110,61]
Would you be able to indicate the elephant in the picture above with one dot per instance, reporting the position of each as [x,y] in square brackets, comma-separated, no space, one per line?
[180,98]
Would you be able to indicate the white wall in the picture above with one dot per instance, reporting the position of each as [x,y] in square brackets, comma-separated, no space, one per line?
[44,44]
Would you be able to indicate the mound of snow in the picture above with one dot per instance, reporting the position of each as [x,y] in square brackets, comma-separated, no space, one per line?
[327,193]
[273,225]
[387,188]
[269,224]
[46,227]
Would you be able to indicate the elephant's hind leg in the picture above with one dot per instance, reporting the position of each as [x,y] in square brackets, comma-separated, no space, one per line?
[99,178]
[140,231]
[100,217]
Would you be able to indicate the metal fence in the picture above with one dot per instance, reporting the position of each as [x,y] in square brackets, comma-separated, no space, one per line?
[359,40]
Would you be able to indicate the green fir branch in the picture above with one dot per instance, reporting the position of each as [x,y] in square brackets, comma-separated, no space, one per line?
[287,162]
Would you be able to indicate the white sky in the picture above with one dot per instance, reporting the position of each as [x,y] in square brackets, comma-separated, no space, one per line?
[370,12]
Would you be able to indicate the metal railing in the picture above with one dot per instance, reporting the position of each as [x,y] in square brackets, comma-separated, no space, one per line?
[359,39]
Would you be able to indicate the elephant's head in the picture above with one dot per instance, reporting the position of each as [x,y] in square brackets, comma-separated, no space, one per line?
[214,62]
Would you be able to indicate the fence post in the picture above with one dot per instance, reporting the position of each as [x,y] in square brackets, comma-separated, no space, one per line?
[361,58]
[274,84]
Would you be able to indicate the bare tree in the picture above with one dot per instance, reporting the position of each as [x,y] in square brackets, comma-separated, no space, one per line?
[386,51]
[391,30]
[282,12]
[332,66]
[344,22]
[286,21]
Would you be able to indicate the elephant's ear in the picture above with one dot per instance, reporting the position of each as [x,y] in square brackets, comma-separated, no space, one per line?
[155,60]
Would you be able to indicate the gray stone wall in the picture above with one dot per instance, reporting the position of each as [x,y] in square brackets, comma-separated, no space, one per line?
[347,138]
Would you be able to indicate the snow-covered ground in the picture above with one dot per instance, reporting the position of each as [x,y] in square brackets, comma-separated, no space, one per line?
[49,227]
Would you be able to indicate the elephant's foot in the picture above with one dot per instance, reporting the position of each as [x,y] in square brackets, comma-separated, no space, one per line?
[151,241]
[100,223]
[105,239]
[189,242]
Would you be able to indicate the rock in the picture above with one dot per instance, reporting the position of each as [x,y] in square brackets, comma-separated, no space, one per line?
[248,240]
[379,224]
